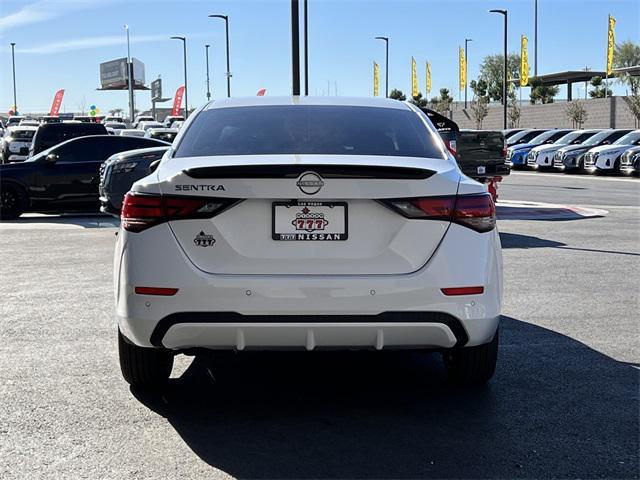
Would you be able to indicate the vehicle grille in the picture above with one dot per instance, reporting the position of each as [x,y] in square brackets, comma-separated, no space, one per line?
[558,159]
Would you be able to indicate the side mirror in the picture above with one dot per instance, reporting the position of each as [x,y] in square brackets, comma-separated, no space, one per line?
[52,158]
[549,141]
[154,165]
[606,142]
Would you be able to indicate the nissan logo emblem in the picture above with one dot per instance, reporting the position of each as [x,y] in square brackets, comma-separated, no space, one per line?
[310,183]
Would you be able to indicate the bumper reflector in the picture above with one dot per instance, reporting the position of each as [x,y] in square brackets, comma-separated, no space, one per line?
[167,292]
[462,291]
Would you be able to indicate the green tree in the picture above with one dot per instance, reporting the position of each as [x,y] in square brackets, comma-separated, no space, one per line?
[542,93]
[115,111]
[627,54]
[419,100]
[397,95]
[441,103]
[492,71]
[599,88]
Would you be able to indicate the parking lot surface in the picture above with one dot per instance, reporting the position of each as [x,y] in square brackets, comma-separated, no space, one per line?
[564,401]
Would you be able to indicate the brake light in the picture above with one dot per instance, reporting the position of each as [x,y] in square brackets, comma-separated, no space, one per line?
[462,291]
[142,211]
[165,292]
[477,212]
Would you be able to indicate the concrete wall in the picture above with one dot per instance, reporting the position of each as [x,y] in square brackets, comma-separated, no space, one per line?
[609,112]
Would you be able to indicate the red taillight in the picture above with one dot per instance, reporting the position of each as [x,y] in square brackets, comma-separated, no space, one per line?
[477,212]
[141,211]
[166,292]
[462,291]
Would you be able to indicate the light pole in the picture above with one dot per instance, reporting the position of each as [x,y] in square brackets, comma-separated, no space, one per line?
[129,78]
[386,68]
[295,48]
[226,25]
[206,49]
[13,62]
[535,38]
[306,49]
[506,60]
[466,66]
[186,94]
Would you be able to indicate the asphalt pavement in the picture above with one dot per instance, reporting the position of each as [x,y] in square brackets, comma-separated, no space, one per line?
[564,401]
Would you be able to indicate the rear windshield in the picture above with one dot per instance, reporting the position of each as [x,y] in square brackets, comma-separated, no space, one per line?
[57,133]
[22,134]
[308,129]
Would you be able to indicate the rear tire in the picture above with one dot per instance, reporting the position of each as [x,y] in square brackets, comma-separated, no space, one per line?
[12,202]
[144,367]
[472,365]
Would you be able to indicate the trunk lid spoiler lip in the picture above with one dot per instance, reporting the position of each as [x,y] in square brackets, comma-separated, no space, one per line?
[326,170]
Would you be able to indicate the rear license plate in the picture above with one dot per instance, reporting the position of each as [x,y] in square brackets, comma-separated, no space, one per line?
[309,221]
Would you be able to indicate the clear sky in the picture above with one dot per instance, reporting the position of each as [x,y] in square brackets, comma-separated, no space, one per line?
[60,43]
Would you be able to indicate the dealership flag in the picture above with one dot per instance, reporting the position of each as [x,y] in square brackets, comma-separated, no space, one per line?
[611,41]
[414,78]
[57,101]
[177,101]
[463,70]
[376,78]
[428,89]
[524,62]
[261,92]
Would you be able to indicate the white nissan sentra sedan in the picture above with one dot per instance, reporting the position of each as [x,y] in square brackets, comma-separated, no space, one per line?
[308,223]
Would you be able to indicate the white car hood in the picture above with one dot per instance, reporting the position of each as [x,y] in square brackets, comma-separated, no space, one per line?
[609,149]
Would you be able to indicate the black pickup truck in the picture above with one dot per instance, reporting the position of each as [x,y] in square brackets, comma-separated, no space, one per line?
[481,154]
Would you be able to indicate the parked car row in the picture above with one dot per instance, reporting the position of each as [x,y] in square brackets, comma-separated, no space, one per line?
[574,151]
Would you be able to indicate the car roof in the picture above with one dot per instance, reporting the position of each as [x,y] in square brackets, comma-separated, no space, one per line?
[163,130]
[330,101]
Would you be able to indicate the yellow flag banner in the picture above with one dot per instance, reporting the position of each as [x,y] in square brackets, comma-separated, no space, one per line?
[428,89]
[414,78]
[524,61]
[376,78]
[611,41]
[463,70]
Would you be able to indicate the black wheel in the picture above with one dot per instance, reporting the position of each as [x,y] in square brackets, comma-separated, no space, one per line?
[144,367]
[472,365]
[12,202]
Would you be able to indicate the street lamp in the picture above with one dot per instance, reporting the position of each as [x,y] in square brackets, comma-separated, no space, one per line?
[535,39]
[129,79]
[386,68]
[466,66]
[504,80]
[226,25]
[186,95]
[206,49]
[13,61]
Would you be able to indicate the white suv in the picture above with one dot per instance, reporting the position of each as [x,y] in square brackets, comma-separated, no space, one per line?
[310,223]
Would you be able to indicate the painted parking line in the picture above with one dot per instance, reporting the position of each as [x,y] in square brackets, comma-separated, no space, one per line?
[522,210]
[34,221]
[578,177]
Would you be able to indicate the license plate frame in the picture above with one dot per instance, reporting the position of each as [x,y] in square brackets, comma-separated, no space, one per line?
[315,235]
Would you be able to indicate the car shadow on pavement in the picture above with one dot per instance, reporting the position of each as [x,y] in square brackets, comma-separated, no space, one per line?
[517,240]
[556,408]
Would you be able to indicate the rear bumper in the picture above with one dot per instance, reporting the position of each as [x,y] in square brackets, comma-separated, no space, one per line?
[227,330]
[289,311]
